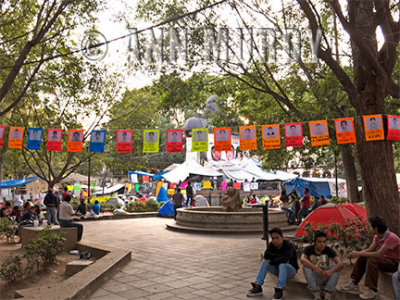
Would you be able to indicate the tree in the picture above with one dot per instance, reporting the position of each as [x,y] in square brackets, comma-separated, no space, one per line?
[366,77]
[33,33]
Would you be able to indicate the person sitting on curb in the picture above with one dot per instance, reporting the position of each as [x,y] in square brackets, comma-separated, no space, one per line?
[280,260]
[319,275]
[382,255]
[66,214]
[396,283]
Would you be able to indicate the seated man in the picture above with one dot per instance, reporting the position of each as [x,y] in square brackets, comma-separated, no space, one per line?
[317,271]
[382,255]
[279,259]
[396,283]
[66,214]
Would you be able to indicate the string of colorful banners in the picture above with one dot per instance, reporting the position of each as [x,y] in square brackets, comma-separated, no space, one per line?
[271,139]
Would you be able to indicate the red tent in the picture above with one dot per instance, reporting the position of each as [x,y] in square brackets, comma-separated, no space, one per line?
[324,215]
[356,209]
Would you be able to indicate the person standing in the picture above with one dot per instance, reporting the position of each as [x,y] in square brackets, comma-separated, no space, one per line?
[285,207]
[189,194]
[305,206]
[321,277]
[280,260]
[51,207]
[382,255]
[177,200]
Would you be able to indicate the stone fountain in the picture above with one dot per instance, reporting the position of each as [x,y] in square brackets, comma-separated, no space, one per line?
[230,218]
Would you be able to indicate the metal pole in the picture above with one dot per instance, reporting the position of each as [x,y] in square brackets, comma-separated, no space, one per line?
[336,182]
[89,182]
[265,219]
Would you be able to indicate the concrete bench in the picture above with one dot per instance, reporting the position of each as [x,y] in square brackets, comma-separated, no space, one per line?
[76,266]
[70,234]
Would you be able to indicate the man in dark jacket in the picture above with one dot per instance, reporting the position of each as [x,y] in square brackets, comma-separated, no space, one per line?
[177,200]
[189,194]
[280,260]
[51,206]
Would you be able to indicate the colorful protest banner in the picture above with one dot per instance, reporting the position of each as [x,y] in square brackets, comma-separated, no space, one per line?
[70,187]
[222,139]
[146,178]
[75,140]
[345,131]
[174,140]
[15,137]
[2,129]
[93,184]
[373,127]
[319,133]
[54,139]
[247,138]
[237,185]
[293,134]
[77,187]
[34,138]
[393,124]
[207,185]
[97,141]
[271,137]
[200,140]
[124,141]
[151,140]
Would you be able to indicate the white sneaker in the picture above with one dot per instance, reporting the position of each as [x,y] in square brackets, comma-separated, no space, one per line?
[368,294]
[328,296]
[350,288]
[317,295]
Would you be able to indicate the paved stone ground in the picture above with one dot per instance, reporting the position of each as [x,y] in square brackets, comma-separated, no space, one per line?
[173,265]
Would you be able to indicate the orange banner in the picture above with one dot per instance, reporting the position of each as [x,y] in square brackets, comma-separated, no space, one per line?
[247,138]
[15,137]
[222,139]
[293,134]
[271,136]
[75,140]
[237,185]
[345,131]
[393,123]
[373,127]
[319,133]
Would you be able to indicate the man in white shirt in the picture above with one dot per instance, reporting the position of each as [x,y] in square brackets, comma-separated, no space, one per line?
[66,214]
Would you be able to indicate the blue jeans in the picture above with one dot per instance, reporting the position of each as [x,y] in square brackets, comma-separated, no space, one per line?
[396,284]
[283,271]
[291,213]
[51,215]
[302,213]
[315,281]
[66,223]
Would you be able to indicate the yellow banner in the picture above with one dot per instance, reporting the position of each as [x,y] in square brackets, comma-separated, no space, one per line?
[151,140]
[206,185]
[248,138]
[200,140]
[271,136]
[373,126]
[15,137]
[319,133]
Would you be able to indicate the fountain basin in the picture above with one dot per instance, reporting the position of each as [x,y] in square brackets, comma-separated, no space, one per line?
[215,220]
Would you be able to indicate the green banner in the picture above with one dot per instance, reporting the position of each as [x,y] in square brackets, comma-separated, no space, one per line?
[77,187]
[93,184]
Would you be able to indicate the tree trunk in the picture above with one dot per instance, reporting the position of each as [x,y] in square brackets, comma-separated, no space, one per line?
[378,179]
[350,172]
[375,158]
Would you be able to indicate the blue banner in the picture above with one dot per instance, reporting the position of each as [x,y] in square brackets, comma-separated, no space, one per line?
[97,141]
[34,138]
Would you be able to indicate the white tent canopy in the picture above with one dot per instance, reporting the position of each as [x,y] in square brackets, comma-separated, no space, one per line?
[111,189]
[182,171]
